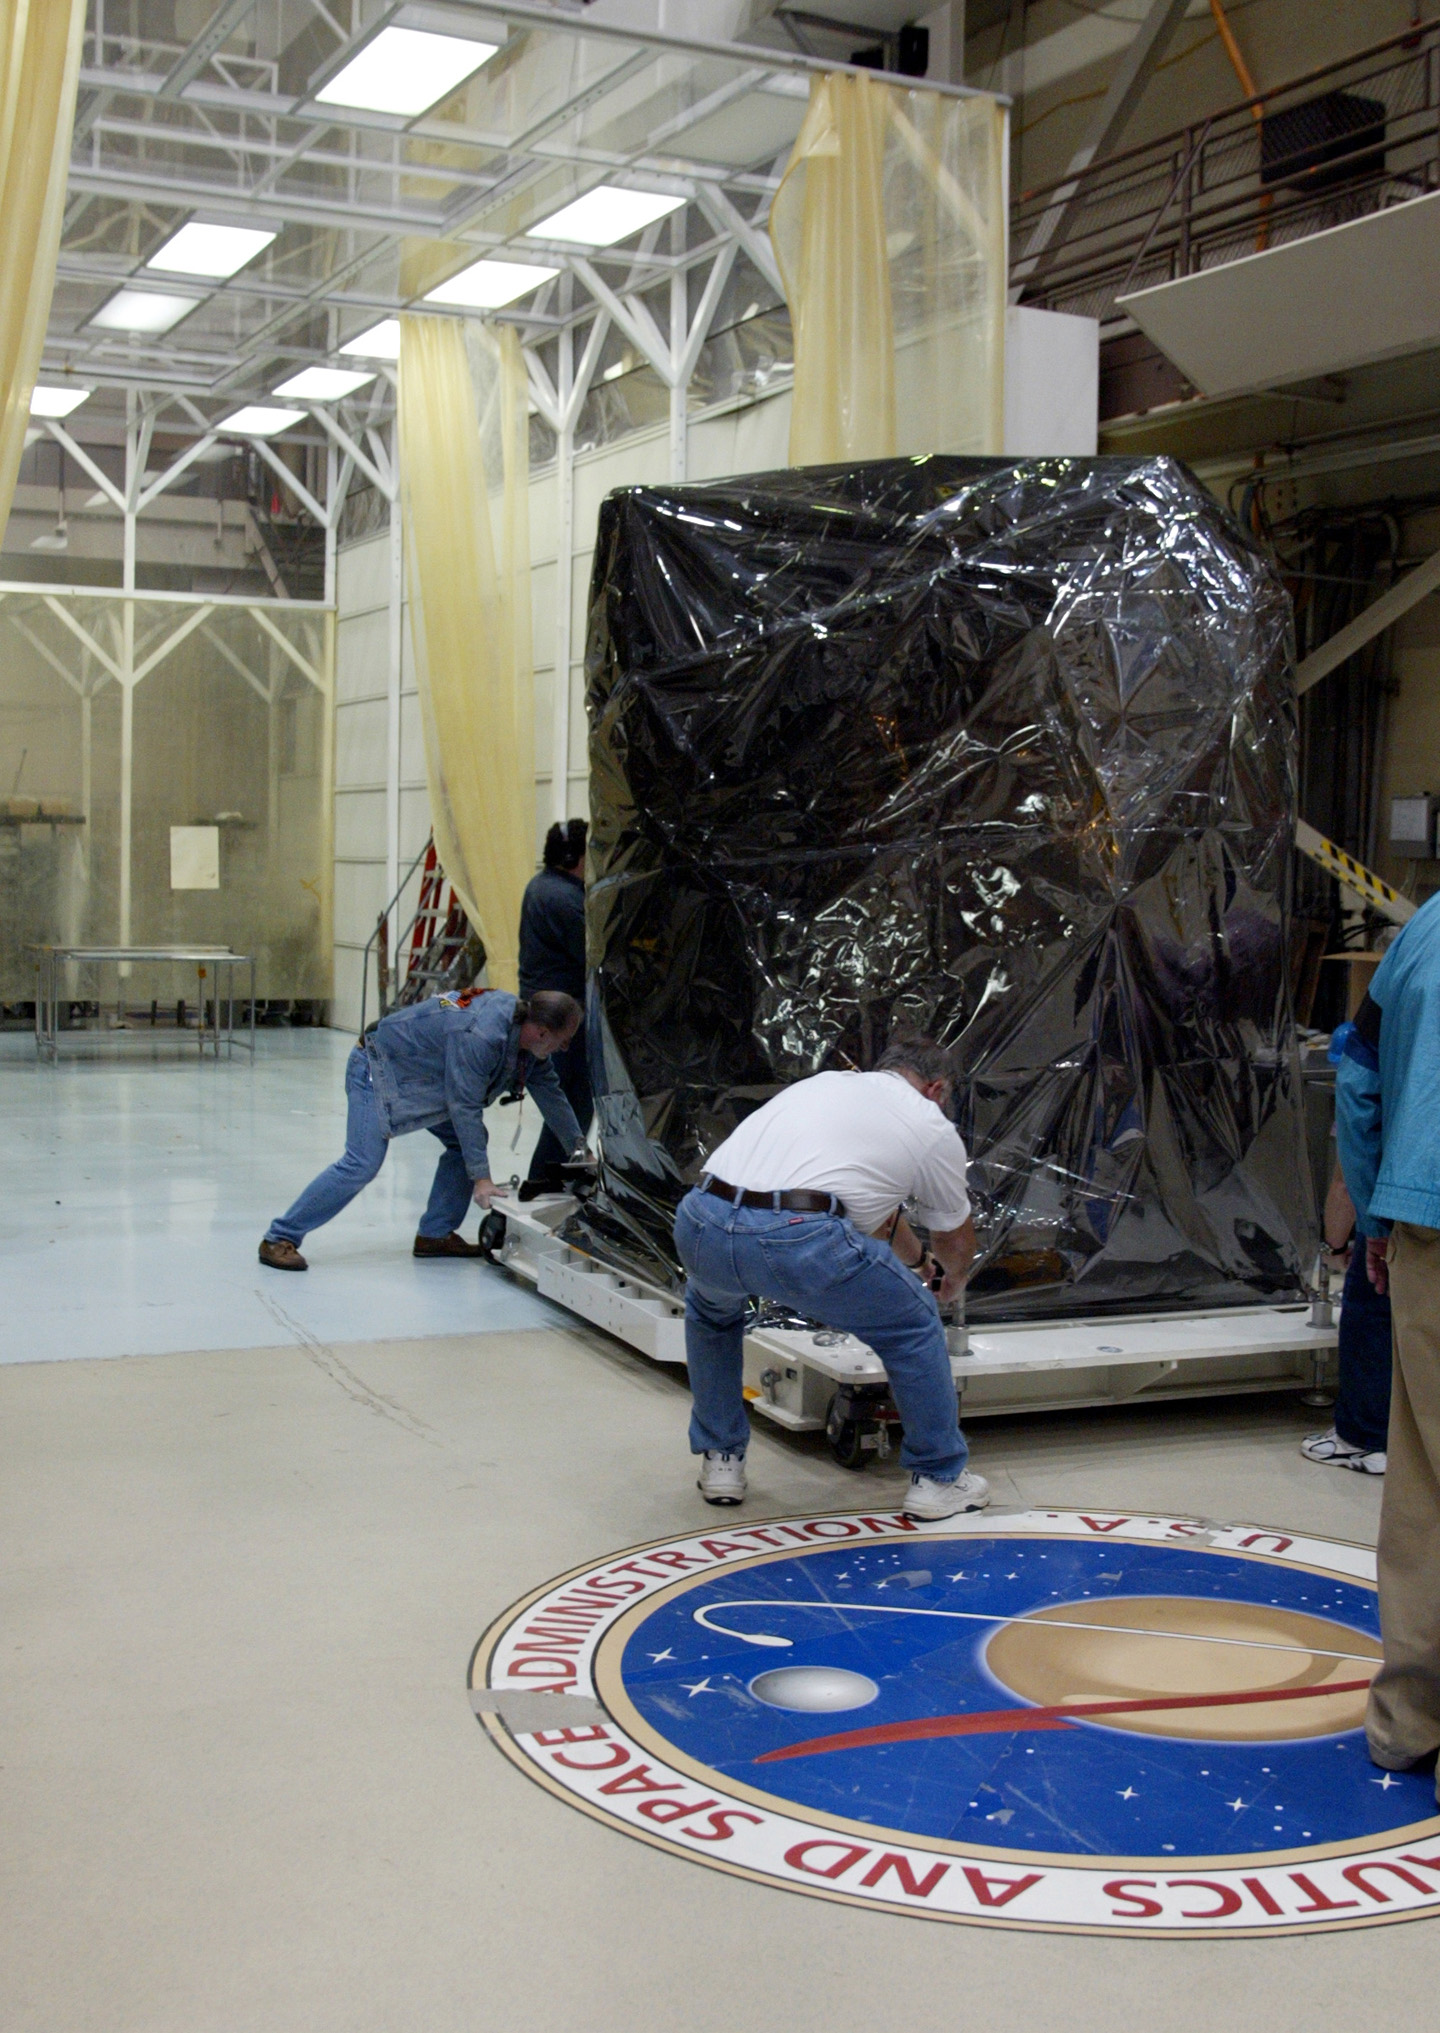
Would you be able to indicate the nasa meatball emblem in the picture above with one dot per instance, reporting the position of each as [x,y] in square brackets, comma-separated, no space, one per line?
[1051,1719]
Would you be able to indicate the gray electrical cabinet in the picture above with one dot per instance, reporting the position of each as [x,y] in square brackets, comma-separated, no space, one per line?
[1412,826]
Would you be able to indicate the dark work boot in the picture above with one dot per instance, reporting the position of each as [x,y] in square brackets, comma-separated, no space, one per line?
[451,1245]
[282,1256]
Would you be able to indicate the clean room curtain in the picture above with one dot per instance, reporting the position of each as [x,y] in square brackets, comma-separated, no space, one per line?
[889,229]
[828,228]
[464,467]
[39,61]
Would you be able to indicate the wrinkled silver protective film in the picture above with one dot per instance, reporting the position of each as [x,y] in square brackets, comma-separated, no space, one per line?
[1000,751]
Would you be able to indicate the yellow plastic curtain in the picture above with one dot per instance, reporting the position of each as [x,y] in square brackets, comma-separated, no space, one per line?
[39,61]
[889,228]
[465,470]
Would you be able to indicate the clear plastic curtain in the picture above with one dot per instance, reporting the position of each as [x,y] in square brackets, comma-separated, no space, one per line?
[889,228]
[39,61]
[464,467]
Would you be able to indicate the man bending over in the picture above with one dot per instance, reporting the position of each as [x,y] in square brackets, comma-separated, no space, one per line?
[792,1208]
[438,1065]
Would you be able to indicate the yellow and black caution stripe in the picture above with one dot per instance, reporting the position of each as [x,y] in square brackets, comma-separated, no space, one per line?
[1354,874]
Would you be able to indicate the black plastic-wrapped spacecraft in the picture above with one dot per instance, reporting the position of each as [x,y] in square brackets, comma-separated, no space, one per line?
[1000,751]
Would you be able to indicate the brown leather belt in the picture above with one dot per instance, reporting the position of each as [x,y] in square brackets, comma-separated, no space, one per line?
[795,1201]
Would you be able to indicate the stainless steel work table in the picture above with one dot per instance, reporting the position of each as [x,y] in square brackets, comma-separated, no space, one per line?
[50,958]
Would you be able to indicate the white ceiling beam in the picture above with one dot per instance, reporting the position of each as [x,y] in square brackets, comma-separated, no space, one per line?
[1372,621]
[82,634]
[213,36]
[705,312]
[43,649]
[542,388]
[297,487]
[379,452]
[218,642]
[585,371]
[750,233]
[641,331]
[190,192]
[172,473]
[302,664]
[172,642]
[347,444]
[83,459]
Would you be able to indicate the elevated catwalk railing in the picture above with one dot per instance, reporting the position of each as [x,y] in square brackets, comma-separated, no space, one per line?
[1333,145]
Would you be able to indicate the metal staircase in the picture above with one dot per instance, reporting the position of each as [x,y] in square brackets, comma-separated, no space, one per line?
[445,952]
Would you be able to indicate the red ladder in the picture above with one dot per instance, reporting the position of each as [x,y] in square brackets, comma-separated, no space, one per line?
[445,952]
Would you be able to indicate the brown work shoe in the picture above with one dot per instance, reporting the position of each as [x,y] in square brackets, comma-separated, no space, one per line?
[282,1256]
[451,1245]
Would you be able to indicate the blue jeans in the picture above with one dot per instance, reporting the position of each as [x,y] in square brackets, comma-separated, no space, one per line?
[827,1270]
[365,1147]
[1362,1404]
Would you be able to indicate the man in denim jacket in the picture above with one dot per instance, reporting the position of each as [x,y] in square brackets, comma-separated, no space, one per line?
[438,1065]
[1387,1099]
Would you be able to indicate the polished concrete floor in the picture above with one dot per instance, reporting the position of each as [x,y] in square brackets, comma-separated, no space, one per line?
[241,1786]
[136,1180]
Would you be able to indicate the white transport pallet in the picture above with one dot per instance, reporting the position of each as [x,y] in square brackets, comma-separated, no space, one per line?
[791,1376]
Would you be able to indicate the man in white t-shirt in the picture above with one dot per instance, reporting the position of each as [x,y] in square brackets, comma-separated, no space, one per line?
[793,1207]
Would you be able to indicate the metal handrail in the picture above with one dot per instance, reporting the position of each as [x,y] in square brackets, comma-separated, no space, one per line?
[1118,206]
[381,931]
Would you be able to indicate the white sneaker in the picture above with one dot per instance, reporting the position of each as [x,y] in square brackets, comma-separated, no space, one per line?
[927,1498]
[722,1478]
[1333,1452]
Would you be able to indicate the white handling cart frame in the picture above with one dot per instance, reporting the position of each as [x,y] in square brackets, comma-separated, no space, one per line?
[824,1382]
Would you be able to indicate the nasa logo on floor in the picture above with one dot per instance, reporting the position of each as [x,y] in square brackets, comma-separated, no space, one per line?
[1051,1719]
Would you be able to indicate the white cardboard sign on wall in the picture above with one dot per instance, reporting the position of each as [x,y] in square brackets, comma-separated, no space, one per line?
[194,857]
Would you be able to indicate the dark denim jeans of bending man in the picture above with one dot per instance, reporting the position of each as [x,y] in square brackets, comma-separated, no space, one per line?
[1362,1404]
[365,1146]
[827,1270]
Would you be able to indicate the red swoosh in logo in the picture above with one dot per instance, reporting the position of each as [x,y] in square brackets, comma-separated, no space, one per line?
[996,1721]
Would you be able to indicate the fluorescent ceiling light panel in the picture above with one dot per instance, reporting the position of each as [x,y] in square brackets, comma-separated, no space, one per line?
[487,285]
[143,310]
[57,402]
[323,384]
[198,249]
[405,71]
[258,420]
[381,342]
[605,215]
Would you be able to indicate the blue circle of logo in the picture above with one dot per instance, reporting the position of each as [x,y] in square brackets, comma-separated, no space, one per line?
[1040,1695]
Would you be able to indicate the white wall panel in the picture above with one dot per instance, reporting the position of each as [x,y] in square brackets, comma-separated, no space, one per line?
[359,894]
[543,577]
[755,439]
[414,824]
[360,744]
[345,1005]
[412,740]
[362,655]
[362,576]
[544,509]
[360,826]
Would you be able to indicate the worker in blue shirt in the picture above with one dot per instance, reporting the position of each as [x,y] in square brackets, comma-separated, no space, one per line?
[1387,1102]
[438,1065]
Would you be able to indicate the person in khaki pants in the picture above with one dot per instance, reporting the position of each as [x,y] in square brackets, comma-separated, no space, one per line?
[1387,1092]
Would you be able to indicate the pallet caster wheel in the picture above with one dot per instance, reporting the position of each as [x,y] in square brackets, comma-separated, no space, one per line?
[847,1443]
